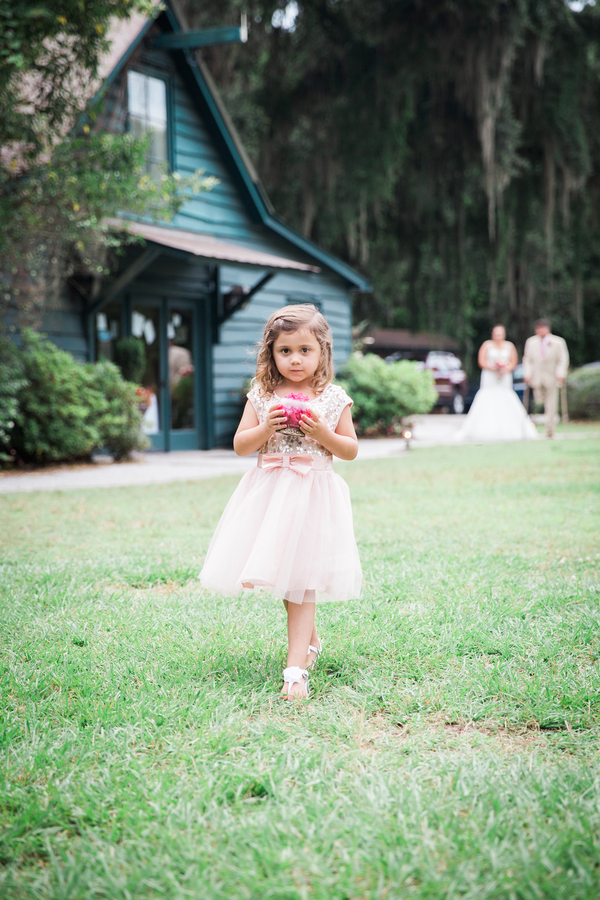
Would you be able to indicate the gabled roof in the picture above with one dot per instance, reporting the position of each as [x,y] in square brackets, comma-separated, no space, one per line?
[125,38]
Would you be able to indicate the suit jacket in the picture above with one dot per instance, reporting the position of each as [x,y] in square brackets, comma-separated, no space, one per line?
[545,371]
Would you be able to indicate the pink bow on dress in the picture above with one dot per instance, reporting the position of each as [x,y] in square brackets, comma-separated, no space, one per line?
[300,464]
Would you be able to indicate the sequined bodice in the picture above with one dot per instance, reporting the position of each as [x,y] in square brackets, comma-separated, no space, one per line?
[329,405]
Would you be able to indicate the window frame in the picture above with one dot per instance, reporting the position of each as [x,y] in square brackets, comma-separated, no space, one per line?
[166,77]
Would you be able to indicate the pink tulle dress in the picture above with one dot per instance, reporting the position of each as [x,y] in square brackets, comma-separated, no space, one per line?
[288,526]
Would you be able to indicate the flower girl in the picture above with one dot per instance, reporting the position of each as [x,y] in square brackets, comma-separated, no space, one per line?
[288,526]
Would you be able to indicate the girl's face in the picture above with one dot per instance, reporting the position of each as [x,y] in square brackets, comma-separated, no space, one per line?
[297,355]
[498,333]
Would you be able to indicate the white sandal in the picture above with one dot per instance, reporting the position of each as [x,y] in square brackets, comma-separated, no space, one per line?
[294,675]
[317,651]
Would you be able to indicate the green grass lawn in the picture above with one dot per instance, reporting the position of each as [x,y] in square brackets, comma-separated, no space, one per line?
[450,748]
[589,427]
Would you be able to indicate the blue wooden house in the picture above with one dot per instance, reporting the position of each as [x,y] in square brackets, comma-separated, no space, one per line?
[196,292]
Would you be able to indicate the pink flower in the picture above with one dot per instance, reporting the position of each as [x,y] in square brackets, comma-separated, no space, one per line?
[295,406]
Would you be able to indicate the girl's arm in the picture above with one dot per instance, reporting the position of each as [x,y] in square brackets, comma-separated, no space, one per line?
[514,359]
[342,442]
[482,356]
[252,434]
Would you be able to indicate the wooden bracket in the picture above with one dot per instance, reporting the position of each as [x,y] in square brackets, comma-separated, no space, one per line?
[239,298]
[120,283]
[204,37]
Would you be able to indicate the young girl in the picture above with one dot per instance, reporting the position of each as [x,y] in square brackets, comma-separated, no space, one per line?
[288,526]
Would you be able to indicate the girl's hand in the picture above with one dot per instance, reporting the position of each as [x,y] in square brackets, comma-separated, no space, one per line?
[314,426]
[252,434]
[276,420]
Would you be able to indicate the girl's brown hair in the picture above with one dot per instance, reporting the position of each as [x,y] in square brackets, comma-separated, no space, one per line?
[286,320]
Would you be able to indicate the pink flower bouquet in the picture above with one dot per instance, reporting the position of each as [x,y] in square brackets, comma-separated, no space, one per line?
[295,406]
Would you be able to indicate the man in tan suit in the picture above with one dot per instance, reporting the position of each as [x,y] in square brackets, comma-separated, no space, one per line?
[545,364]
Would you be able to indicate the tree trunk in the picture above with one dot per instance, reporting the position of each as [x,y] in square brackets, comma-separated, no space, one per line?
[550,199]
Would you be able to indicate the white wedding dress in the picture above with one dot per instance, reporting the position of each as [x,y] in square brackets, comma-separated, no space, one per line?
[496,413]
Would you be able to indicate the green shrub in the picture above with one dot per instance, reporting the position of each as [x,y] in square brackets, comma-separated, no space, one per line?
[57,407]
[130,357]
[384,393]
[11,382]
[68,409]
[583,393]
[120,424]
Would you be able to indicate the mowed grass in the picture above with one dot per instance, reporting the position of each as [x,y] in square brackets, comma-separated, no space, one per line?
[450,747]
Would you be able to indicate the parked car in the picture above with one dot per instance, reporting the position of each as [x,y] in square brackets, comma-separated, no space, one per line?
[451,383]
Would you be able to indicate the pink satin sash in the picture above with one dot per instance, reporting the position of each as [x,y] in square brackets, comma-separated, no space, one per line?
[300,463]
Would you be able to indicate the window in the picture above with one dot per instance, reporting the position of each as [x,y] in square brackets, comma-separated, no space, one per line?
[147,108]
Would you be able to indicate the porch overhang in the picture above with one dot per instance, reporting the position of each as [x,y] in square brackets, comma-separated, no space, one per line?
[209,248]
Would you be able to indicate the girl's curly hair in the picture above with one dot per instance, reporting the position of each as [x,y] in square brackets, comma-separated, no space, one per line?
[289,319]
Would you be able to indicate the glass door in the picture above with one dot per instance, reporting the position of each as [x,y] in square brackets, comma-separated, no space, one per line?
[146,328]
[168,352]
[183,377]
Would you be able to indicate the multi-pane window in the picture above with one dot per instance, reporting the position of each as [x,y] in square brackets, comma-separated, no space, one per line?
[147,107]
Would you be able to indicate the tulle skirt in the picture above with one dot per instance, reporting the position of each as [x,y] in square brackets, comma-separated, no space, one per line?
[287,533]
[497,414]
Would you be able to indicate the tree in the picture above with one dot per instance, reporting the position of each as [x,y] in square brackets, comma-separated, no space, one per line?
[60,177]
[49,57]
[449,150]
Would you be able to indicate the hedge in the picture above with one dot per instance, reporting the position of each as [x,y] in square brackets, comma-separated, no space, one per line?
[385,393]
[583,393]
[54,408]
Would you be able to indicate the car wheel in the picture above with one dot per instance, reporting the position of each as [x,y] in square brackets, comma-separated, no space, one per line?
[458,404]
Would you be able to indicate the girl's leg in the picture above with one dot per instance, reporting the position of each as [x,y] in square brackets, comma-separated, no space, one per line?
[314,638]
[301,622]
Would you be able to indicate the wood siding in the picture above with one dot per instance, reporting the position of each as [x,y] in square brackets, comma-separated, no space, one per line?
[173,278]
[66,327]
[233,357]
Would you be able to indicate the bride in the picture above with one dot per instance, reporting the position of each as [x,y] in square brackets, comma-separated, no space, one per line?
[497,414]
